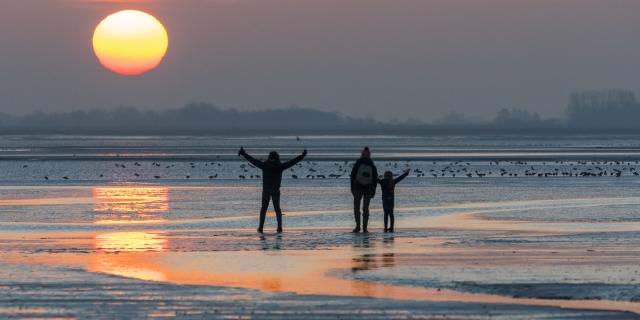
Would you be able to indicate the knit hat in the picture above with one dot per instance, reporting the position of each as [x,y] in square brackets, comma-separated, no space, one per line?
[366,153]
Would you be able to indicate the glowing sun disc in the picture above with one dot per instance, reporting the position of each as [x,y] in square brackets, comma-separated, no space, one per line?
[130,42]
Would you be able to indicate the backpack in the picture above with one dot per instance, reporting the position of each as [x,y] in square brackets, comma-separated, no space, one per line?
[364,176]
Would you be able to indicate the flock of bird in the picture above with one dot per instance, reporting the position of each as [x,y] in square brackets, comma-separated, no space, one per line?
[420,169]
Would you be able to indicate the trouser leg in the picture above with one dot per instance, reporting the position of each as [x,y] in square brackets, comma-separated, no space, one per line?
[263,210]
[385,208]
[275,198]
[391,205]
[357,197]
[386,217]
[365,212]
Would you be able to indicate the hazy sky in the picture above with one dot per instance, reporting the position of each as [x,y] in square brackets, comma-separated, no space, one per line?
[402,58]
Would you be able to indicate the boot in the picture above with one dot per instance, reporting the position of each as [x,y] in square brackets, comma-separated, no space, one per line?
[365,222]
[357,229]
[263,214]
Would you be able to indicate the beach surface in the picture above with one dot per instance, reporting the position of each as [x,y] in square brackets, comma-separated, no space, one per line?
[500,245]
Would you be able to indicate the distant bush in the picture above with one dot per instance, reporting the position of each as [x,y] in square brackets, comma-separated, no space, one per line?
[603,109]
[612,111]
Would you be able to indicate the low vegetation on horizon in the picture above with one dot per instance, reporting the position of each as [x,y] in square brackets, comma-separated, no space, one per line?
[612,111]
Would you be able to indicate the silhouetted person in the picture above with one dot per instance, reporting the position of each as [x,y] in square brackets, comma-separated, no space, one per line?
[364,177]
[388,185]
[271,180]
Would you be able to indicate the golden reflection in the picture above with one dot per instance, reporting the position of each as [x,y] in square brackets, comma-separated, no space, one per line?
[301,272]
[273,284]
[130,242]
[125,254]
[130,205]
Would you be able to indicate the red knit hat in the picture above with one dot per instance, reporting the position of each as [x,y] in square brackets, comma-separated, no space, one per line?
[366,153]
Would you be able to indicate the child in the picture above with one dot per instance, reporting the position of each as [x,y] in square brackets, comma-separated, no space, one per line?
[388,185]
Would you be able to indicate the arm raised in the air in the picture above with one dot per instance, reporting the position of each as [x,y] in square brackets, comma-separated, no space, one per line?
[251,159]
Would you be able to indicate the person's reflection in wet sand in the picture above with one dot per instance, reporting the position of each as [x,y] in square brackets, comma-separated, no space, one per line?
[373,257]
[363,263]
[360,262]
[388,257]
[361,241]
[266,244]
[388,241]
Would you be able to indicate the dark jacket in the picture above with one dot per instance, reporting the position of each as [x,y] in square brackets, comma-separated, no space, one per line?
[388,186]
[272,170]
[355,186]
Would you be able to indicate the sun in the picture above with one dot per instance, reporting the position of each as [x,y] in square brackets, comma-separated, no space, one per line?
[130,42]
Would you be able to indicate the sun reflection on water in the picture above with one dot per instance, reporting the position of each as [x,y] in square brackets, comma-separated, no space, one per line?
[130,205]
[130,242]
[124,254]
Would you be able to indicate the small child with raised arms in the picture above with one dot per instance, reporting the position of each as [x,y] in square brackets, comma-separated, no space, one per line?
[388,185]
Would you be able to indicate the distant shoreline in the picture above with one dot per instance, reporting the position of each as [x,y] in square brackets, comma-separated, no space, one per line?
[383,131]
[603,155]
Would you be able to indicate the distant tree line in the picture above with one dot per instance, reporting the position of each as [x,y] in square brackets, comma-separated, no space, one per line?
[608,111]
[194,118]
[612,111]
[604,109]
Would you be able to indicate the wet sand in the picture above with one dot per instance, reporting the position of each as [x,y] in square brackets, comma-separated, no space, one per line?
[415,264]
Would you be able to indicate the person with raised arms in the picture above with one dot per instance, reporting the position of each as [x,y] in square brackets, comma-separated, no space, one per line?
[271,180]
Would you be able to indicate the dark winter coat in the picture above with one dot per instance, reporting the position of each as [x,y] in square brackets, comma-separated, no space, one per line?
[272,170]
[388,186]
[369,190]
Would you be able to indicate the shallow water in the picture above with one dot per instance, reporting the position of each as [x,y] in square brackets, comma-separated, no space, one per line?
[504,237]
